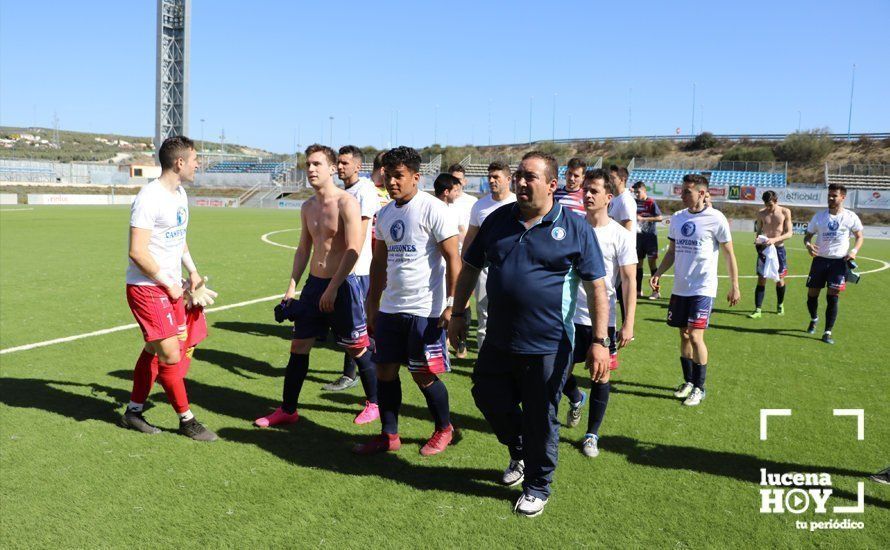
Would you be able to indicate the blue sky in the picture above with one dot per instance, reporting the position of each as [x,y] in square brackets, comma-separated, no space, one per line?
[272,72]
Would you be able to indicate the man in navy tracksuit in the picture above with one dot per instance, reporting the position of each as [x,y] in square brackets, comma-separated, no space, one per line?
[537,254]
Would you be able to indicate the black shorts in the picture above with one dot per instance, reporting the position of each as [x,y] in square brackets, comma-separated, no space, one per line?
[583,339]
[830,272]
[647,245]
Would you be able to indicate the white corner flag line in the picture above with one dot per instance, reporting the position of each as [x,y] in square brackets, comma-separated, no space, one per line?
[764,417]
[26,347]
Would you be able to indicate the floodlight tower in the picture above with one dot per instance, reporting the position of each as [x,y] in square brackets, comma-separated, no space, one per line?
[174,39]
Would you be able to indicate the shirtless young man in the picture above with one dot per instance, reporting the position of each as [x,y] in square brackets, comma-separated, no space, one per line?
[331,230]
[774,223]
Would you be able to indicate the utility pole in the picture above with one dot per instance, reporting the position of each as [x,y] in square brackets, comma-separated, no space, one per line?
[531,104]
[436,124]
[489,122]
[630,92]
[553,130]
[850,116]
[692,125]
[331,135]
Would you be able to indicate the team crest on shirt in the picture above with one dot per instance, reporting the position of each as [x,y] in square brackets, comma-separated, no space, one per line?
[833,225]
[688,229]
[558,233]
[181,215]
[397,230]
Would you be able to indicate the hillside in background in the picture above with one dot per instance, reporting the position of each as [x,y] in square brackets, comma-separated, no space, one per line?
[40,144]
[805,152]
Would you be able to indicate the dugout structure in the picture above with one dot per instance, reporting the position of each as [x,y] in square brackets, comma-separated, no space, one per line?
[174,38]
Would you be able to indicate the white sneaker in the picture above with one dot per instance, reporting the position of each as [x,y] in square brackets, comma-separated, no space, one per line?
[589,447]
[695,397]
[530,506]
[573,415]
[514,474]
[683,390]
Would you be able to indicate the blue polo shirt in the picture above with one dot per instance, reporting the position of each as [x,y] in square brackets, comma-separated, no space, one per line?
[533,276]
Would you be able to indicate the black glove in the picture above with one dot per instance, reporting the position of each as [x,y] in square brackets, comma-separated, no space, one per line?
[286,310]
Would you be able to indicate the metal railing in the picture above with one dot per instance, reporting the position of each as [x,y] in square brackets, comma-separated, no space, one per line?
[696,164]
[857,169]
[688,137]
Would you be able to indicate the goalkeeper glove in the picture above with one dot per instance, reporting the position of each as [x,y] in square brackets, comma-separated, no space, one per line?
[201,296]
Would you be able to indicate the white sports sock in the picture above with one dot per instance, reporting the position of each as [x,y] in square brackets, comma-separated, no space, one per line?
[135,407]
[186,416]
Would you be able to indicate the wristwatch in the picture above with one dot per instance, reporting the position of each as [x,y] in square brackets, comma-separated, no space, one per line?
[605,342]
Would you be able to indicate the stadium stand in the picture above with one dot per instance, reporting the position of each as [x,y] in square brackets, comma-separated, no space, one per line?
[431,168]
[25,173]
[718,178]
[242,167]
[859,176]
[752,174]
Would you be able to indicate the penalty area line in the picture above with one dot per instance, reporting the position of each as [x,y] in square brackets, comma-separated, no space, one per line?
[129,326]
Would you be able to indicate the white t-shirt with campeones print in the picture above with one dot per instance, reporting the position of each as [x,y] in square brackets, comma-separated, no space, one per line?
[833,232]
[415,271]
[697,238]
[166,214]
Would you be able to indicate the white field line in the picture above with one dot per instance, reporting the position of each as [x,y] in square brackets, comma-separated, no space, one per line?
[55,341]
[265,238]
[884,265]
[126,327]
[15,209]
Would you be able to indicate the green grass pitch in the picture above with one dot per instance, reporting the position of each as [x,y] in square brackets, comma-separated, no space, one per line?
[668,476]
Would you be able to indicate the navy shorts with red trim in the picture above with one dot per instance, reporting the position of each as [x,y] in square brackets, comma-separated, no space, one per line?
[647,245]
[583,339]
[347,321]
[689,311]
[830,272]
[411,340]
[781,255]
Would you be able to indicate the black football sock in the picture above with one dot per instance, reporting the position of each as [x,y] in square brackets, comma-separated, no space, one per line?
[348,366]
[699,374]
[599,400]
[759,291]
[390,393]
[780,295]
[686,363]
[830,312]
[437,401]
[571,391]
[368,374]
[294,375]
[813,307]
